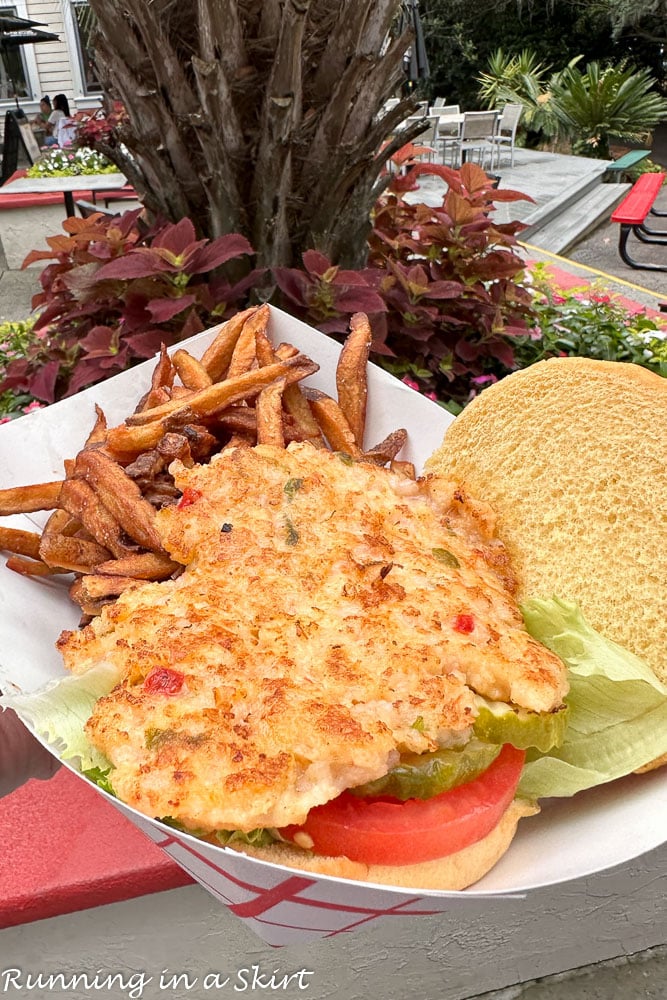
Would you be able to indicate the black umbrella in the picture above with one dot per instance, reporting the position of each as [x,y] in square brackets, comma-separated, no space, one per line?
[11,22]
[17,31]
[27,36]
[415,60]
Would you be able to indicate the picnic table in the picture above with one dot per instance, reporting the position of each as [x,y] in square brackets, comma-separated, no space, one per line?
[63,185]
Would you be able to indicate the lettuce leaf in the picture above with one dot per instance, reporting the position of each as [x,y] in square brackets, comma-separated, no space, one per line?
[59,711]
[618,707]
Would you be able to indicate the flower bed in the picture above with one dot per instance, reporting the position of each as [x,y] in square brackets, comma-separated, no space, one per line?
[71,163]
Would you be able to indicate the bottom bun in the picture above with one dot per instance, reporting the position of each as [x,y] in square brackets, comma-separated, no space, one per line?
[457,871]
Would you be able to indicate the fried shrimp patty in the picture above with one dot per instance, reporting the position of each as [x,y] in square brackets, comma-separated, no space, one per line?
[331,616]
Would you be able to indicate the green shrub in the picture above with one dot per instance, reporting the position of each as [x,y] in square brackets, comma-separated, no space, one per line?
[589,321]
[114,292]
[451,306]
[600,101]
[16,339]
[449,279]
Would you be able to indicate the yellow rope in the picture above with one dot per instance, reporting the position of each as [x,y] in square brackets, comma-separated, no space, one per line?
[592,270]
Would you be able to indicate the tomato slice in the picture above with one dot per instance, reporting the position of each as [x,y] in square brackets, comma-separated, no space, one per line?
[388,832]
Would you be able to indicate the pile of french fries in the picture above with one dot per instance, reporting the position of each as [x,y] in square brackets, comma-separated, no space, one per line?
[243,391]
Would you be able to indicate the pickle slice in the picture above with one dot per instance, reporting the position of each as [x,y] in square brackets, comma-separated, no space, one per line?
[498,722]
[421,776]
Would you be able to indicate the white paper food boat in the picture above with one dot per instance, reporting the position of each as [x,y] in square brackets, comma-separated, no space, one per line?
[570,838]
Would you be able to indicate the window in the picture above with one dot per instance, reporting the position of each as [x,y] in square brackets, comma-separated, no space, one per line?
[84,19]
[13,72]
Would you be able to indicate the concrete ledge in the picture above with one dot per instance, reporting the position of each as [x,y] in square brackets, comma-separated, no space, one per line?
[568,196]
[562,232]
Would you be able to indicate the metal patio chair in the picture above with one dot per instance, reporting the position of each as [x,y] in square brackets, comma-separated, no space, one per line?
[448,128]
[477,128]
[506,129]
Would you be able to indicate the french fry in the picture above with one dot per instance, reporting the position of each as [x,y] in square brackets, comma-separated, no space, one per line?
[239,441]
[218,354]
[81,502]
[351,380]
[89,608]
[387,450]
[245,352]
[121,496]
[333,422]
[125,443]
[182,392]
[222,394]
[307,428]
[99,430]
[28,499]
[60,522]
[72,554]
[93,587]
[285,351]
[191,372]
[139,566]
[269,409]
[21,543]
[162,380]
[29,567]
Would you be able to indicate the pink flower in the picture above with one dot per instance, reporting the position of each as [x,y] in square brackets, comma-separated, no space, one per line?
[483,379]
[33,406]
[411,382]
[5,420]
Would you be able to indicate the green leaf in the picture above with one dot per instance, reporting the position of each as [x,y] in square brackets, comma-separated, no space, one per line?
[59,711]
[291,534]
[618,707]
[446,557]
[292,487]
[260,837]
[100,777]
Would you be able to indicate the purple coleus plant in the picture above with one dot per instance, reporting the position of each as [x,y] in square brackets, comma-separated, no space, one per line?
[115,291]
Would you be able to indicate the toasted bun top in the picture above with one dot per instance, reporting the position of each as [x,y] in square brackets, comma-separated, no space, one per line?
[571,454]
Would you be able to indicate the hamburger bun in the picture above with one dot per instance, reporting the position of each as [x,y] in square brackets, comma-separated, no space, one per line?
[570,454]
[457,871]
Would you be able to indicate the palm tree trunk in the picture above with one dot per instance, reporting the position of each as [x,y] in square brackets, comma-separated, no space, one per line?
[256,117]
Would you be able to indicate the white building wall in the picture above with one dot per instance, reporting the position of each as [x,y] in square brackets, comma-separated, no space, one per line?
[54,60]
[53,67]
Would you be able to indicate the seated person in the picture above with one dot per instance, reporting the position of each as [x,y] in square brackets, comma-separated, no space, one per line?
[60,110]
[40,120]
